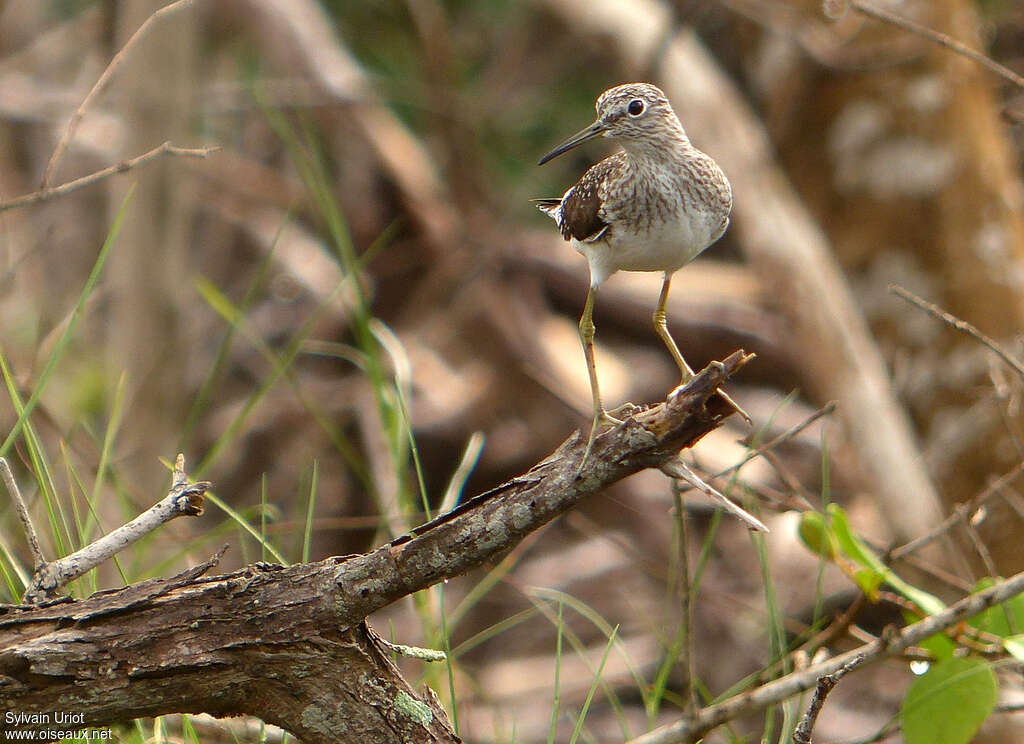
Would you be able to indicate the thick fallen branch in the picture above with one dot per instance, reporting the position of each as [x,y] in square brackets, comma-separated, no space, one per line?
[288,644]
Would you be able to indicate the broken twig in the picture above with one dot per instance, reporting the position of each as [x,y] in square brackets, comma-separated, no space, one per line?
[184,499]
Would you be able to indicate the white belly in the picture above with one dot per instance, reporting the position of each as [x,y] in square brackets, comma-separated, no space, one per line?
[666,248]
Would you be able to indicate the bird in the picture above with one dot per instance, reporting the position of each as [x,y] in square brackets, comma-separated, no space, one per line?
[654,205]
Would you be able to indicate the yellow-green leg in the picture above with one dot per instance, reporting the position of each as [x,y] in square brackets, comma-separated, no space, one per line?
[601,416]
[661,328]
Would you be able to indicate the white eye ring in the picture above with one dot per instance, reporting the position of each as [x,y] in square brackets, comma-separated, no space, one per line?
[636,107]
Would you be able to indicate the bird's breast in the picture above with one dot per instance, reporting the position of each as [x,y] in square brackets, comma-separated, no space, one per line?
[662,245]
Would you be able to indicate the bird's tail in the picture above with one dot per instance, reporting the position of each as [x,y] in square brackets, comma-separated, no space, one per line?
[548,206]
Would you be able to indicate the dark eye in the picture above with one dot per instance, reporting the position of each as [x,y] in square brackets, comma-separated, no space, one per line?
[636,107]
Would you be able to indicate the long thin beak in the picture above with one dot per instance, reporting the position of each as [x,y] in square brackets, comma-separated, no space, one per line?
[594,130]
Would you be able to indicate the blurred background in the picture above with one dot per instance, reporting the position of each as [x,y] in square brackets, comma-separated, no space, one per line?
[352,309]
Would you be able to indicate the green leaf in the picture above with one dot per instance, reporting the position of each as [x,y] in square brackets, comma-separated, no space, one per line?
[948,704]
[817,536]
[859,552]
[1014,646]
[1003,620]
[868,581]
[939,645]
[831,536]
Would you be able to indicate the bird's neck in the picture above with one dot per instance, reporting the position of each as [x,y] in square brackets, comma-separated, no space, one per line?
[657,152]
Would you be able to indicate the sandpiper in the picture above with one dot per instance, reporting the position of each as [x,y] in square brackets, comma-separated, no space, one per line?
[652,206]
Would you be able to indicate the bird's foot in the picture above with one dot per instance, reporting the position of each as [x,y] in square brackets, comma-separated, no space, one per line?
[625,410]
[601,418]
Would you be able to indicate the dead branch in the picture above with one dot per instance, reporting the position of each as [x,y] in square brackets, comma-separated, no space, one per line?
[22,508]
[676,468]
[826,683]
[827,410]
[288,644]
[836,9]
[101,83]
[947,524]
[123,167]
[184,499]
[961,325]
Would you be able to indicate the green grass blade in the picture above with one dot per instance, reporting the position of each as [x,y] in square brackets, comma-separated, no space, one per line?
[538,594]
[307,531]
[446,645]
[593,687]
[242,522]
[59,527]
[15,576]
[222,358]
[556,702]
[113,425]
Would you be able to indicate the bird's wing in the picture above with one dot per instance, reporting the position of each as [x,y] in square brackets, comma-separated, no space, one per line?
[584,215]
[581,211]
[552,207]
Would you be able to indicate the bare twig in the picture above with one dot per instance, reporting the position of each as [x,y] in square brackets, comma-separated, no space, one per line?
[23,515]
[826,410]
[69,131]
[687,599]
[825,48]
[826,683]
[960,325]
[836,9]
[886,646]
[798,498]
[184,499]
[970,522]
[676,468]
[125,165]
[941,529]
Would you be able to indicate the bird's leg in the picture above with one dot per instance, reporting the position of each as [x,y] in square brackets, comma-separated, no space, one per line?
[601,416]
[661,328]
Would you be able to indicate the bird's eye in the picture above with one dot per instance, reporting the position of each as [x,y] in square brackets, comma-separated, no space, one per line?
[636,107]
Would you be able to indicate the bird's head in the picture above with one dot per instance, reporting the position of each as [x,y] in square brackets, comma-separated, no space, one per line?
[635,114]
